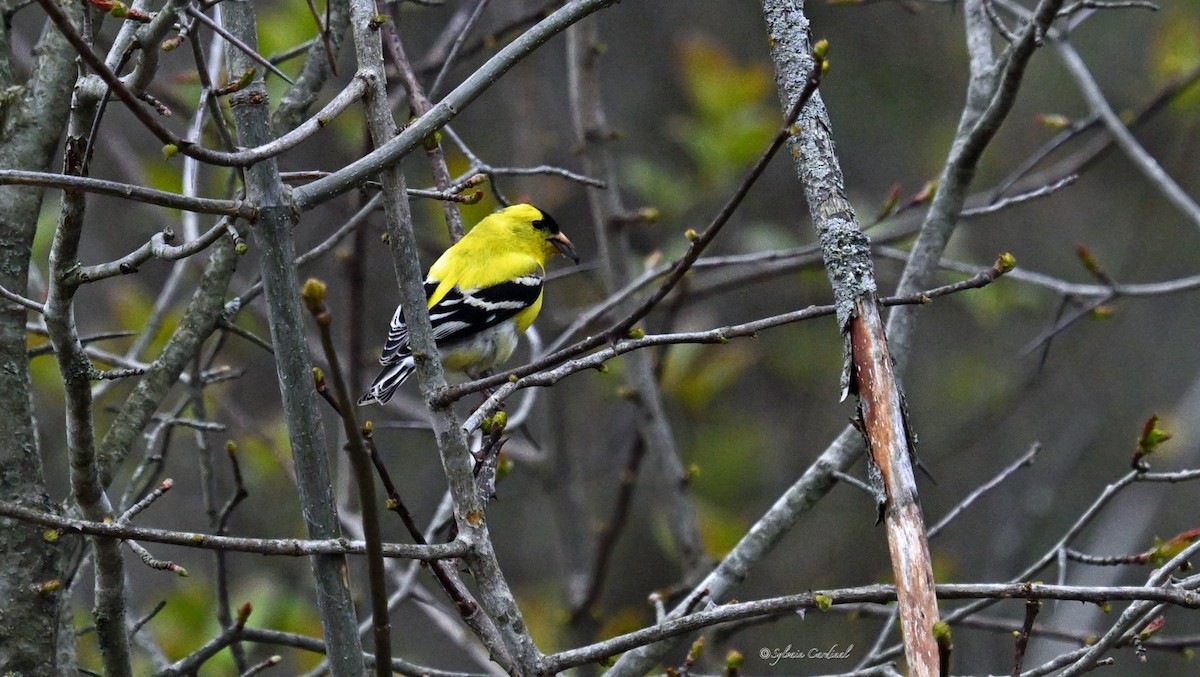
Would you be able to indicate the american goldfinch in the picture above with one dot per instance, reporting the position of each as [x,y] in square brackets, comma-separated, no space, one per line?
[483,293]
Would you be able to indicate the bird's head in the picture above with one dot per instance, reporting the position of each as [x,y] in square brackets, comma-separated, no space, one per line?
[534,229]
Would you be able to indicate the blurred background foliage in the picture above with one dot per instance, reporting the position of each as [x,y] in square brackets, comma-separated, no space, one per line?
[690,91]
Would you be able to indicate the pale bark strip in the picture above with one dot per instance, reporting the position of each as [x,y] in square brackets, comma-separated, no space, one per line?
[276,250]
[848,263]
[884,427]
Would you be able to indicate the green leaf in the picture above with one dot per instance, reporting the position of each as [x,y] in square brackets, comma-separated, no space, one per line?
[732,115]
[1151,437]
[1175,51]
[1165,551]
[720,529]
[696,374]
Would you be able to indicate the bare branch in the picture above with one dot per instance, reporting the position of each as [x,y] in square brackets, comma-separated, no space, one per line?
[542,377]
[275,637]
[129,98]
[1132,616]
[991,95]
[421,105]
[452,55]
[199,320]
[28,304]
[1024,461]
[413,135]
[314,299]
[286,547]
[1133,150]
[274,240]
[724,613]
[157,247]
[228,37]
[128,191]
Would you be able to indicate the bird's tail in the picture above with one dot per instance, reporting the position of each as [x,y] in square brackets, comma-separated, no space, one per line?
[388,381]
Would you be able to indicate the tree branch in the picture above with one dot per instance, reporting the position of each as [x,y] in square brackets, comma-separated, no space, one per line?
[200,205]
[276,248]
[724,613]
[414,134]
[1142,160]
[285,547]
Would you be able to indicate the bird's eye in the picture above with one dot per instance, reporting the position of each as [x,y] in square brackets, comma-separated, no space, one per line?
[546,224]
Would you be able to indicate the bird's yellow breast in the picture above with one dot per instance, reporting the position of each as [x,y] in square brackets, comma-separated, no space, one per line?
[526,317]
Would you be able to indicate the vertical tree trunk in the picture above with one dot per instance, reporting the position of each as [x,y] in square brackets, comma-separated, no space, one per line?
[276,251]
[36,632]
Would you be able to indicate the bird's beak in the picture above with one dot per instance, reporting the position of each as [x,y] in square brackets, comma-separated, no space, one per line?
[563,245]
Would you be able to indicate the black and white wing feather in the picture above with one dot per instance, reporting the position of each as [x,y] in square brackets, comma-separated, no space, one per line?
[457,317]
[462,313]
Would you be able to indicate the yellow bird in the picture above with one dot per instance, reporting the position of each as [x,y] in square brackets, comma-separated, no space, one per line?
[483,293]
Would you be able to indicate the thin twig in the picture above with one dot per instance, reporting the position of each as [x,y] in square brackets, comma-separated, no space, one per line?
[314,299]
[153,562]
[542,377]
[607,538]
[673,627]
[22,301]
[130,99]
[146,501]
[456,46]
[315,645]
[1124,139]
[678,270]
[231,39]
[129,191]
[1032,606]
[286,547]
[1024,461]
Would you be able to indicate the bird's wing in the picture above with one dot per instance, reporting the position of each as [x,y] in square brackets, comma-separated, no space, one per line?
[396,348]
[461,313]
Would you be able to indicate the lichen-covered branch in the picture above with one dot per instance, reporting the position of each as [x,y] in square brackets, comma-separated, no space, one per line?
[34,622]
